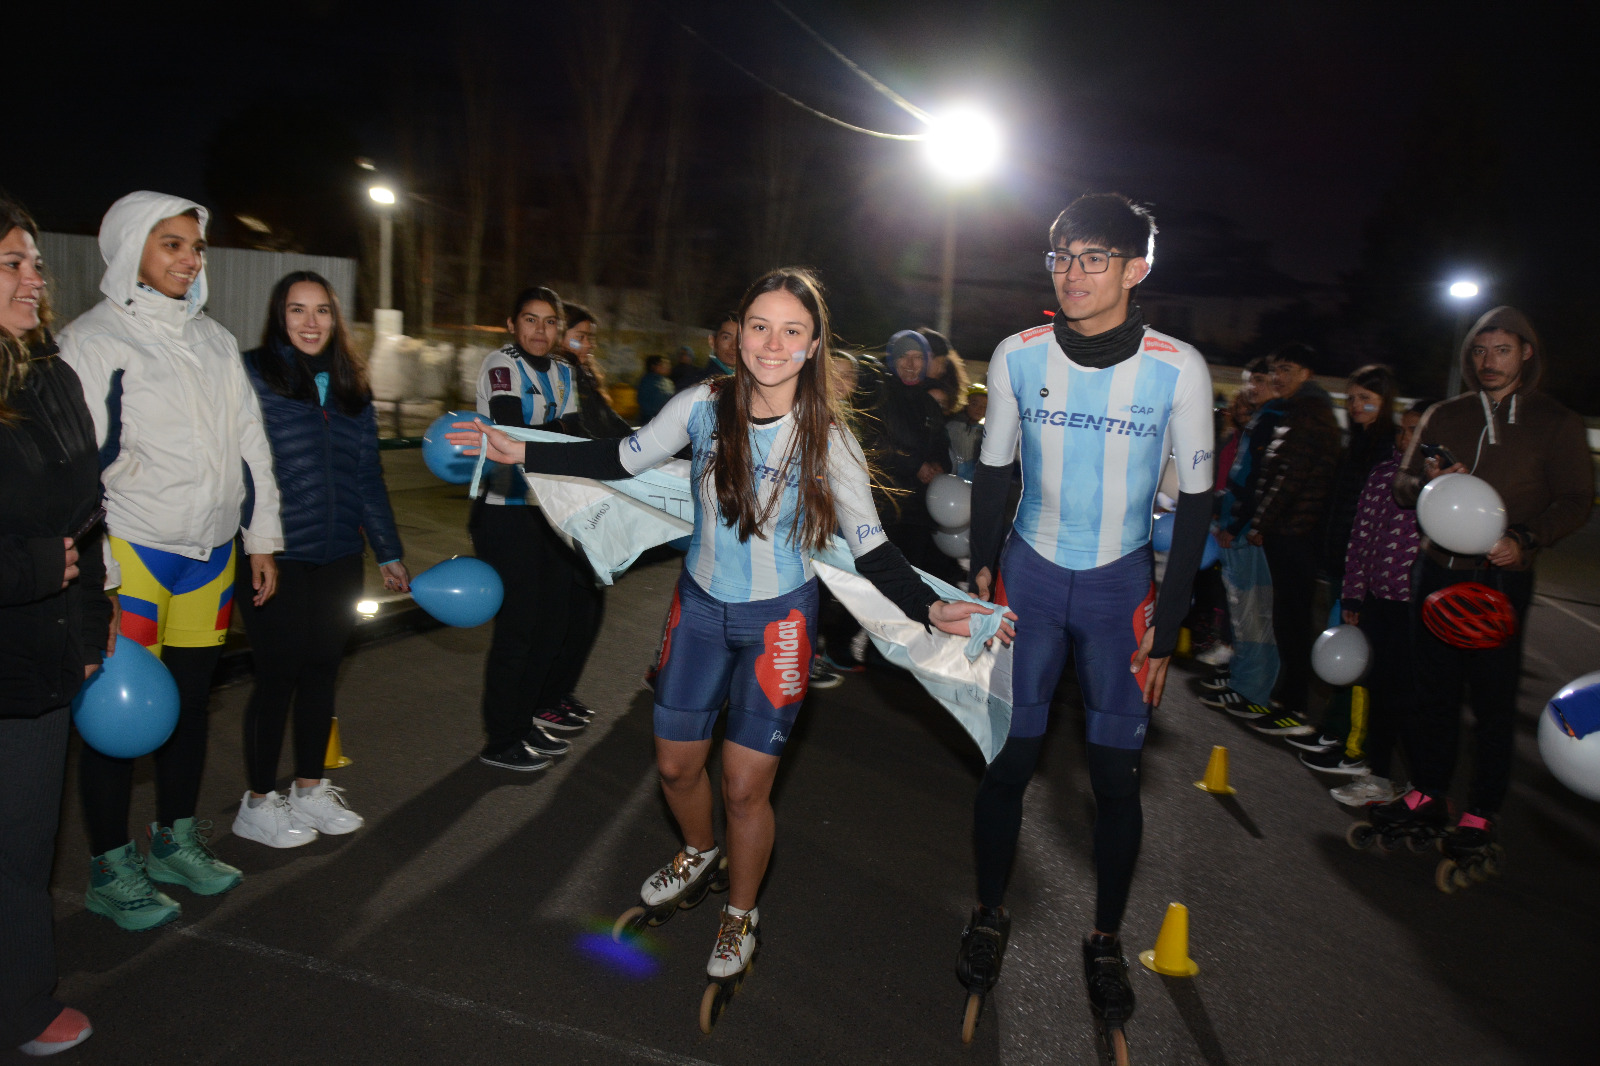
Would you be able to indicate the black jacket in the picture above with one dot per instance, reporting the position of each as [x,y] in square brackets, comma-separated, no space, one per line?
[49,484]
[329,474]
[904,430]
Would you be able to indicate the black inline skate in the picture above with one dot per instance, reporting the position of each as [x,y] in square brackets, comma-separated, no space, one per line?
[1105,973]
[1470,854]
[683,882]
[738,944]
[1416,820]
[983,949]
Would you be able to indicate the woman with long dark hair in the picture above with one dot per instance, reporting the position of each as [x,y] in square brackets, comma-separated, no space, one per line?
[317,407]
[55,620]
[777,474]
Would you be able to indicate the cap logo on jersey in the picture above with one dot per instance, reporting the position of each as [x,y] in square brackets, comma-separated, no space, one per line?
[1151,344]
[1118,427]
[500,379]
[784,668]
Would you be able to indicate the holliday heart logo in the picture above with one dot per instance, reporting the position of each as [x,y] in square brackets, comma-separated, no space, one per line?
[784,668]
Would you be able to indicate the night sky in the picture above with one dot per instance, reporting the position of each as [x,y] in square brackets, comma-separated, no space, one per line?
[1369,146]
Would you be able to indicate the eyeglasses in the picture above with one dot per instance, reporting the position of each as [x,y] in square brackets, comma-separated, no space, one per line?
[1092,260]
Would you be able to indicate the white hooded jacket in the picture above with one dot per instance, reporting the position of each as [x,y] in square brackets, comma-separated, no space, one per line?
[183,417]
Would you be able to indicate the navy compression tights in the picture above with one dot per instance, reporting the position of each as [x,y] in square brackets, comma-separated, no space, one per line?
[1118,823]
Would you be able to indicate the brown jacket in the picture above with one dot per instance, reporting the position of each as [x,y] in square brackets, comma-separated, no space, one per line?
[1297,467]
[1531,449]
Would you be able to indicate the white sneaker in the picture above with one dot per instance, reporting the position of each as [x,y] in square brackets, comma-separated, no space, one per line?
[736,943]
[858,646]
[1370,789]
[325,810]
[674,879]
[271,823]
[1218,654]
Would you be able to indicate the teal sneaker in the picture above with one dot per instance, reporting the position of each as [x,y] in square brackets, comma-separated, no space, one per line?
[120,889]
[179,856]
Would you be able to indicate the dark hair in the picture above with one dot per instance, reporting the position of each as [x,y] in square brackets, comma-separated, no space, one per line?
[576,314]
[650,362]
[287,374]
[1422,405]
[727,316]
[1296,352]
[539,292]
[1379,379]
[953,381]
[1107,218]
[14,354]
[938,344]
[815,415]
[1259,365]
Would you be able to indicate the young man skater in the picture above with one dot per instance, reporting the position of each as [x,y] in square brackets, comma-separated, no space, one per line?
[1097,402]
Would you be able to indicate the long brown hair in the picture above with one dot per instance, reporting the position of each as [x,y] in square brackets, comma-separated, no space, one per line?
[15,351]
[815,414]
[286,374]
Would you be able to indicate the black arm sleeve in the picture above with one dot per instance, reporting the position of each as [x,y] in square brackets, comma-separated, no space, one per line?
[506,411]
[598,459]
[891,575]
[989,519]
[1188,545]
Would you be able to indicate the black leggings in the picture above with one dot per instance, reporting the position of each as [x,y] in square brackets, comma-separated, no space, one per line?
[106,784]
[298,639]
[1118,823]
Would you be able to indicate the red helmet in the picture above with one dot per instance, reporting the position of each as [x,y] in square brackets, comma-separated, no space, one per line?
[1469,615]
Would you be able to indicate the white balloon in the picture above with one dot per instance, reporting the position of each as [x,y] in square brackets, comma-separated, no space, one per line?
[1575,761]
[1340,655]
[1461,513]
[950,501]
[953,543]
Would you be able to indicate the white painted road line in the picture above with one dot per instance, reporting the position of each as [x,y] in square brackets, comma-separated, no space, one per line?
[1548,602]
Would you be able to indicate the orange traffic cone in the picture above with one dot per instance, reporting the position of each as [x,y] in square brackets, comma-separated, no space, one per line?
[1170,956]
[1216,779]
[336,757]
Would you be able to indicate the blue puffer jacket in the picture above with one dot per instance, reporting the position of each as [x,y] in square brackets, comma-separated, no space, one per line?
[328,474]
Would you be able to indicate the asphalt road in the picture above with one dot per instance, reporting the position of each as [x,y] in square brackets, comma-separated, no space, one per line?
[465,922]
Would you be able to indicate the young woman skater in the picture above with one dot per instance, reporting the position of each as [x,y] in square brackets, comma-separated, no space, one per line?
[776,474]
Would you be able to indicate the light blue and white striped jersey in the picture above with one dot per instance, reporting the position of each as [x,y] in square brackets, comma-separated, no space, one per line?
[1093,441]
[545,395]
[770,563]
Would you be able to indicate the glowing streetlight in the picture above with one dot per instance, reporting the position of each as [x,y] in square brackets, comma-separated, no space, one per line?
[384,197]
[382,194]
[963,145]
[1463,291]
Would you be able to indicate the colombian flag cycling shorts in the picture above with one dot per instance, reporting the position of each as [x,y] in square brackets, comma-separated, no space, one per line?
[174,601]
[755,655]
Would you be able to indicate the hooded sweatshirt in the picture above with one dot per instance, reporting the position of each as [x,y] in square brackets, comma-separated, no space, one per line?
[1531,449]
[174,412]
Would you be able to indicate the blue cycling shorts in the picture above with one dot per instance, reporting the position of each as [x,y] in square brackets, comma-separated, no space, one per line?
[1100,616]
[756,656]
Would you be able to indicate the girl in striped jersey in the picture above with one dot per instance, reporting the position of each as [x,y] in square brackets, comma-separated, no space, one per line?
[777,474]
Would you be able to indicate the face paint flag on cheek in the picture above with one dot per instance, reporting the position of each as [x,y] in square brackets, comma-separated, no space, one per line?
[798,355]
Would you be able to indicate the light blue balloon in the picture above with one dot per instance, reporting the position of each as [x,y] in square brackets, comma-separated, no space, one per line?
[1161,531]
[128,707]
[1213,552]
[443,458]
[462,591]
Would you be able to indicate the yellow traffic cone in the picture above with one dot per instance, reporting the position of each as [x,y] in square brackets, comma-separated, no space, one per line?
[1170,956]
[1185,643]
[1216,779]
[336,757]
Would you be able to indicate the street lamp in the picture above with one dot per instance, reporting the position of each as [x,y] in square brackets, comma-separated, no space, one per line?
[385,318]
[962,146]
[1463,291]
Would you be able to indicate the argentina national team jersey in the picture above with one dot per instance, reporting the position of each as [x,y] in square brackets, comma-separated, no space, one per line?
[545,395]
[1093,441]
[769,564]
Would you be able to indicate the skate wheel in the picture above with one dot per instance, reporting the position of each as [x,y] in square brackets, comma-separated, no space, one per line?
[1444,878]
[1479,871]
[630,920]
[1360,835]
[969,1023]
[711,1005]
[1494,861]
[1388,841]
[1417,845]
[1117,1040]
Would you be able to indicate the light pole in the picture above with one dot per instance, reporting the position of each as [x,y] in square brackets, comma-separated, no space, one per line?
[385,319]
[963,145]
[1463,292]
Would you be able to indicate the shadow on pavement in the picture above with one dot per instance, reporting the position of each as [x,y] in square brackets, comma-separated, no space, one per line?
[1186,998]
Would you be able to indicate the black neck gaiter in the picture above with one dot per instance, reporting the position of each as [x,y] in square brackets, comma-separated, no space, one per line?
[1102,349]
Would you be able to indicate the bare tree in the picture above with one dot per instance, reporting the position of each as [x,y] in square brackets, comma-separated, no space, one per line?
[606,73]
[479,157]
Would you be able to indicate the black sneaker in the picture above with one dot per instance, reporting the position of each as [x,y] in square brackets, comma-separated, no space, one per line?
[555,720]
[1316,742]
[1219,683]
[823,675]
[1225,700]
[1335,762]
[541,743]
[575,707]
[1282,724]
[515,757]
